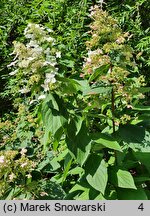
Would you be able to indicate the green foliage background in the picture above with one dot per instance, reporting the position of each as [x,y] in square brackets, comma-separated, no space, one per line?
[66,146]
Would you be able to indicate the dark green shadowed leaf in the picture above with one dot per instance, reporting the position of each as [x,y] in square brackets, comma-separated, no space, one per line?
[130,194]
[144,158]
[78,141]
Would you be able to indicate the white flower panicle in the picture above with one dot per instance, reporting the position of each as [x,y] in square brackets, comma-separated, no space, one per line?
[37,54]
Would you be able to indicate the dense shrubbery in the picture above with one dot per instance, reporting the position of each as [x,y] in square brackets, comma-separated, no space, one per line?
[76,77]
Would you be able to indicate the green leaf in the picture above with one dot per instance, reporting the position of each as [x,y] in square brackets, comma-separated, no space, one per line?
[102,140]
[67,165]
[67,63]
[144,89]
[141,179]
[76,171]
[77,187]
[130,194]
[45,139]
[14,192]
[83,85]
[43,164]
[97,90]
[97,178]
[57,138]
[132,133]
[99,197]
[121,178]
[52,118]
[141,108]
[125,179]
[54,163]
[51,102]
[79,145]
[68,86]
[78,123]
[84,195]
[144,158]
[99,71]
[62,155]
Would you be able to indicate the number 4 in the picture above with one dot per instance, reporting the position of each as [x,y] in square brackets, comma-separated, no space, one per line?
[141,207]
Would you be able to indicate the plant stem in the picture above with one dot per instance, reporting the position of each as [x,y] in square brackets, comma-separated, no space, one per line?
[113,108]
[113,113]
[112,104]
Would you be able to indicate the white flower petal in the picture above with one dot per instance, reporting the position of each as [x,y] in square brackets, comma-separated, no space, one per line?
[13,72]
[58,54]
[24,91]
[2,159]
[41,97]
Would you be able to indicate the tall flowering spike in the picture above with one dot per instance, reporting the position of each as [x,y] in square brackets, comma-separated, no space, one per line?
[35,62]
[108,46]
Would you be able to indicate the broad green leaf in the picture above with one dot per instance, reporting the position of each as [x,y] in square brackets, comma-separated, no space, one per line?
[102,140]
[121,178]
[76,171]
[45,139]
[77,187]
[62,155]
[48,165]
[54,163]
[99,197]
[141,179]
[88,90]
[51,102]
[57,138]
[147,194]
[52,118]
[79,145]
[130,194]
[14,192]
[78,123]
[10,195]
[68,85]
[97,90]
[84,195]
[144,158]
[43,164]
[67,165]
[99,179]
[125,179]
[132,133]
[83,85]
[67,63]
[95,194]
[99,71]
